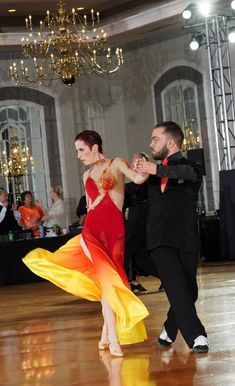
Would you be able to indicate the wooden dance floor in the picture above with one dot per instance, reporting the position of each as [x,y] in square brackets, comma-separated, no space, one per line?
[49,338]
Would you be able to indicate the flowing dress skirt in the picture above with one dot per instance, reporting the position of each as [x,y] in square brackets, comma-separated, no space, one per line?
[91,264]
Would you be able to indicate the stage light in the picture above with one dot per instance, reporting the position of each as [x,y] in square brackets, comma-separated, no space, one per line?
[204,9]
[233,4]
[196,41]
[231,35]
[188,12]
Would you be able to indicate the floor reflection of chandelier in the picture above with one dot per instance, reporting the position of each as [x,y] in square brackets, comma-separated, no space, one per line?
[65,47]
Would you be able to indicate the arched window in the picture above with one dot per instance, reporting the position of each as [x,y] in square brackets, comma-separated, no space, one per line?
[95,119]
[22,134]
[179,96]
[180,104]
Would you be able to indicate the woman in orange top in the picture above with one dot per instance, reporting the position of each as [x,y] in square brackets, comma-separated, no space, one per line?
[31,214]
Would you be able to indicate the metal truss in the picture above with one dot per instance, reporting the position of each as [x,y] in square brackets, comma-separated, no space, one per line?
[222,91]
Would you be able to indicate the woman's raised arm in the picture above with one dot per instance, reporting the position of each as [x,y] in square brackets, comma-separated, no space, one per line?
[128,172]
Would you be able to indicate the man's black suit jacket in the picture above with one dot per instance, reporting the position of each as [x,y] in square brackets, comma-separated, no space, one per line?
[172,216]
[9,222]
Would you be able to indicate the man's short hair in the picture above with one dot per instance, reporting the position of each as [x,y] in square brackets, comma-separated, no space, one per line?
[173,130]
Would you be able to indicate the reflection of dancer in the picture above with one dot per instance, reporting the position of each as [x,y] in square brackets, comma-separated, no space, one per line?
[113,367]
[132,370]
[171,363]
[91,265]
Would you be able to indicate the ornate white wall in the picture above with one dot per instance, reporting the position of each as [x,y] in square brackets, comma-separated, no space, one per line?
[126,101]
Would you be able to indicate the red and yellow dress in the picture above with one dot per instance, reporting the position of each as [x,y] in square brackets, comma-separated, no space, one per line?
[91,264]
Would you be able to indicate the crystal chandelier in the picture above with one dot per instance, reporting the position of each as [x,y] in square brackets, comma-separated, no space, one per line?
[64,47]
[17,163]
[191,141]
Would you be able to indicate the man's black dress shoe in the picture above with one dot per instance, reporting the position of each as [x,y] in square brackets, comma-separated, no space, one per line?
[200,344]
[163,342]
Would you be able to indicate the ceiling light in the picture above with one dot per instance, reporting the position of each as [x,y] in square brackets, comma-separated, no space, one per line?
[204,9]
[196,41]
[11,10]
[231,35]
[80,8]
[188,12]
[233,4]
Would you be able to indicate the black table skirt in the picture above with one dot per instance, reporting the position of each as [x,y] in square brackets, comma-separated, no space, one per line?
[12,269]
[210,238]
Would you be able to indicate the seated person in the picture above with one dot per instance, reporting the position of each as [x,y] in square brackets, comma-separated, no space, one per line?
[31,214]
[55,214]
[8,215]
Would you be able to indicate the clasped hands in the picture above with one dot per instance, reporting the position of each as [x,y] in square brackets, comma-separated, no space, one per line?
[142,166]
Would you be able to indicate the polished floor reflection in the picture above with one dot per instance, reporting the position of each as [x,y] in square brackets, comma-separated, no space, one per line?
[49,338]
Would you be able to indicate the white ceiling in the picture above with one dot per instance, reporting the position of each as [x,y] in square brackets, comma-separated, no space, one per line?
[125,21]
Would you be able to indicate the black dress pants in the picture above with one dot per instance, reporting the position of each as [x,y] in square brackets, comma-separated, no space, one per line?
[177,271]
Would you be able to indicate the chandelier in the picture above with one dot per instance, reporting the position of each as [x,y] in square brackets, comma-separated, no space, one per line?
[65,46]
[191,139]
[17,162]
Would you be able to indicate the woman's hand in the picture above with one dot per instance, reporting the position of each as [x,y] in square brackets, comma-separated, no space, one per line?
[96,202]
[143,166]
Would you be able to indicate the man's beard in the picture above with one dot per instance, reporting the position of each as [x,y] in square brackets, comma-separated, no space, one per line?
[160,155]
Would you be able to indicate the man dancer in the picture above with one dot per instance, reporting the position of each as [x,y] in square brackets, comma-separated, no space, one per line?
[172,232]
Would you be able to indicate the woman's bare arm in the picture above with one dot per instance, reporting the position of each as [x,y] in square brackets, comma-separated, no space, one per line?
[125,169]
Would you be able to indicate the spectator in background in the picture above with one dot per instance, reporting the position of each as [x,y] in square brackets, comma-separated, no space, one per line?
[31,214]
[55,214]
[135,239]
[8,215]
[137,260]
[82,210]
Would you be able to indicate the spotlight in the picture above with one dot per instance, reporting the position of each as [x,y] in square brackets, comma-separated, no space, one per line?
[231,35]
[188,12]
[233,4]
[196,41]
[204,9]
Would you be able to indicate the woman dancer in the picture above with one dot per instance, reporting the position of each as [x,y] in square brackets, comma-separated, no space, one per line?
[91,265]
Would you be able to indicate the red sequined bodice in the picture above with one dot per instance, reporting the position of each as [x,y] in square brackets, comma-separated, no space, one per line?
[106,182]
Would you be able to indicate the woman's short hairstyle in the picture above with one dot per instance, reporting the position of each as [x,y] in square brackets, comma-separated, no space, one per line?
[90,137]
[24,194]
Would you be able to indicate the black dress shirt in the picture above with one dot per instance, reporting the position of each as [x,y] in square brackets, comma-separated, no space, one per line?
[172,216]
[9,222]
